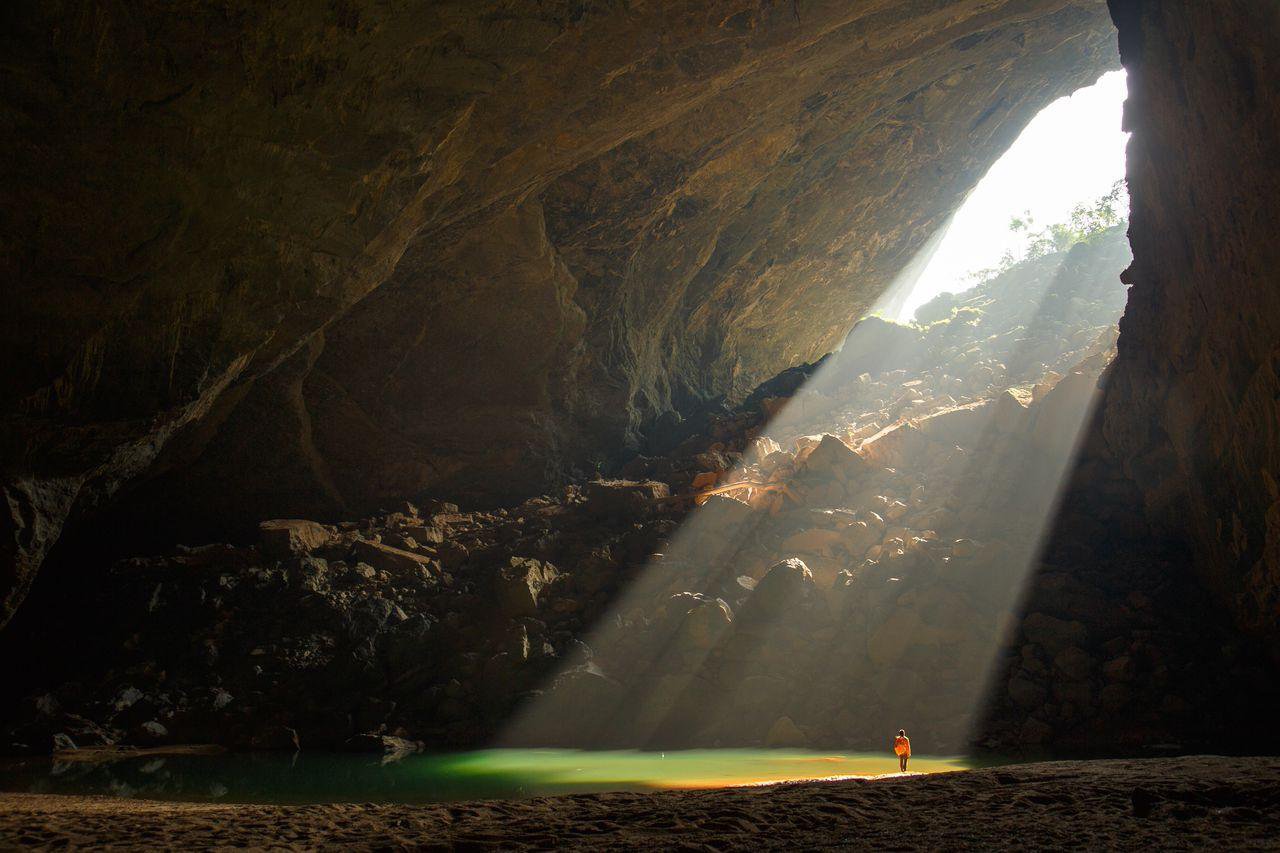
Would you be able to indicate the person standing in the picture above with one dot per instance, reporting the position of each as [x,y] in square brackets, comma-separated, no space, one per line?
[902,746]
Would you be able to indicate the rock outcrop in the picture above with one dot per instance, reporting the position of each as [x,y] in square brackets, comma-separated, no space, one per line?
[1191,410]
[852,566]
[298,260]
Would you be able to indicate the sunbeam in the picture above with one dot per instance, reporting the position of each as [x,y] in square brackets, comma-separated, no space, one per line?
[854,571]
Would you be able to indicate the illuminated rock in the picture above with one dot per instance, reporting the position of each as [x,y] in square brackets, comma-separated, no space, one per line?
[957,425]
[1008,413]
[833,458]
[785,734]
[788,586]
[706,622]
[895,446]
[815,540]
[858,537]
[286,537]
[722,523]
[520,585]
[391,559]
[624,499]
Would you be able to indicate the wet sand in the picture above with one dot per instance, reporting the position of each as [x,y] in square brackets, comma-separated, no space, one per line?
[1174,803]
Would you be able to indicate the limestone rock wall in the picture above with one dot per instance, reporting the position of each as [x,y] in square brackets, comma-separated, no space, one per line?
[1192,406]
[345,251]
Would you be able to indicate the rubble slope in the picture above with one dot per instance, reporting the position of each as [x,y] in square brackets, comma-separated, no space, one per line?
[319,255]
[852,567]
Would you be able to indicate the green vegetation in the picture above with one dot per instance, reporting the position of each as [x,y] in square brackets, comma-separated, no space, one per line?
[1086,222]
[946,308]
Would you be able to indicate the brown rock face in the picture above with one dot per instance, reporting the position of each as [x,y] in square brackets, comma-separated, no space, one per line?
[1192,405]
[284,537]
[350,251]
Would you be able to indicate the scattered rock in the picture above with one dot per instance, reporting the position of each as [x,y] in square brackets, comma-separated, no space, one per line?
[520,585]
[624,499]
[381,744]
[392,560]
[1055,635]
[283,538]
[785,734]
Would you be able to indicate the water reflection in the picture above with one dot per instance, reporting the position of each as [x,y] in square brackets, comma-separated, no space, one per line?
[487,774]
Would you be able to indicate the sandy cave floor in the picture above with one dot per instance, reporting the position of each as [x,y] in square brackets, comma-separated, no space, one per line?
[1174,803]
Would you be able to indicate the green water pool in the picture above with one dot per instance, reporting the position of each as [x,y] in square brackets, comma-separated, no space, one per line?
[486,774]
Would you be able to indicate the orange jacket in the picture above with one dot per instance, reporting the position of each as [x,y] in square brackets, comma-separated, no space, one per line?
[902,746]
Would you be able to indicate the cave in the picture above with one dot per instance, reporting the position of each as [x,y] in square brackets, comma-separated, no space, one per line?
[422,384]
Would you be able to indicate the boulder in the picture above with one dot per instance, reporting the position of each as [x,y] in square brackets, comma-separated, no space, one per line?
[706,622]
[282,538]
[833,458]
[1054,634]
[815,540]
[1114,698]
[959,425]
[149,733]
[875,345]
[896,511]
[1034,731]
[806,444]
[312,574]
[372,615]
[704,480]
[412,649]
[1008,412]
[759,449]
[393,560]
[577,710]
[624,499]
[858,537]
[785,734]
[381,744]
[1026,694]
[1119,669]
[1074,663]
[1059,416]
[787,585]
[720,526]
[904,628]
[520,585]
[894,446]
[424,534]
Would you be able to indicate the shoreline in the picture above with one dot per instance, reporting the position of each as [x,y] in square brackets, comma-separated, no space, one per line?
[1193,801]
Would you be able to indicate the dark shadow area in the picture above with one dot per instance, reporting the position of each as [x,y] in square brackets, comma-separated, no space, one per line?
[1119,648]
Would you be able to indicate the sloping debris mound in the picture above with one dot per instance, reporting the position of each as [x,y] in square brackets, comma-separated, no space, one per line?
[426,623]
[850,569]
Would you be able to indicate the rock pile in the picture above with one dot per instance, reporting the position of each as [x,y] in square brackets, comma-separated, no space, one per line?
[424,624]
[850,568]
[832,583]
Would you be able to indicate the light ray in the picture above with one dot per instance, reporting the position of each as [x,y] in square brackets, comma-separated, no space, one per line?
[709,646]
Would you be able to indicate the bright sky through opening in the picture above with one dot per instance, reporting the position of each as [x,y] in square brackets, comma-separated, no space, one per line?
[1072,152]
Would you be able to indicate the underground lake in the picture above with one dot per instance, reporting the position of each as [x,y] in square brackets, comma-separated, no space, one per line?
[196,775]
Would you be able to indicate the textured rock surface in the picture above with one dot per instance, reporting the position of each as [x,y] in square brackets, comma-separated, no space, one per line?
[811,608]
[1192,407]
[361,251]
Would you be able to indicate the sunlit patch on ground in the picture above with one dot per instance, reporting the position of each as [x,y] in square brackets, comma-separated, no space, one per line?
[486,774]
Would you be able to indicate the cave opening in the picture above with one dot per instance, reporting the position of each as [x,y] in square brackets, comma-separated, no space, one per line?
[892,505]
[1067,159]
[549,378]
